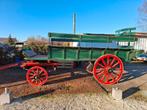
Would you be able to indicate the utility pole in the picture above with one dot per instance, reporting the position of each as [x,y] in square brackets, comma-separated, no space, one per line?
[74,23]
[74,44]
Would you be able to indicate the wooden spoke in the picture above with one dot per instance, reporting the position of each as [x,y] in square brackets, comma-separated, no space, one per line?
[115,65]
[104,63]
[113,60]
[108,60]
[100,65]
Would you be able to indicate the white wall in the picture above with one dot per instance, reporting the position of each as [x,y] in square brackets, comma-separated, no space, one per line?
[141,44]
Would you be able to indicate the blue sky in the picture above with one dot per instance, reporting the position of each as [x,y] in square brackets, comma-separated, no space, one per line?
[25,18]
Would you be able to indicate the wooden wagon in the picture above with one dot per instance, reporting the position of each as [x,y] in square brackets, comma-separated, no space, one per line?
[106,64]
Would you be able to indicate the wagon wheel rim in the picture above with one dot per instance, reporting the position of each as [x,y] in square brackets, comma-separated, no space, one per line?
[108,69]
[37,76]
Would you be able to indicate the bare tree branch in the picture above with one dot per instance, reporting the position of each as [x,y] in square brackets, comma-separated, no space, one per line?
[143,16]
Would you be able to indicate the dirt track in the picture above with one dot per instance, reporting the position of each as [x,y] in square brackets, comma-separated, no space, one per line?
[63,92]
[58,83]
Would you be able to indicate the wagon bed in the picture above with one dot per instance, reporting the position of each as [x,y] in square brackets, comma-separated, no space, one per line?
[56,53]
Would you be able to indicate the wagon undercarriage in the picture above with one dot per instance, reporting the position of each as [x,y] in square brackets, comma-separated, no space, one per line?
[107,69]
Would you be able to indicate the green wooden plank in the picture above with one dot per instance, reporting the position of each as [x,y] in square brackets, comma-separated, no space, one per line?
[89,38]
[87,54]
[84,53]
[71,53]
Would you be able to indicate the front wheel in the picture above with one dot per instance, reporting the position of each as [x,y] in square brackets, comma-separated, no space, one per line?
[108,69]
[37,76]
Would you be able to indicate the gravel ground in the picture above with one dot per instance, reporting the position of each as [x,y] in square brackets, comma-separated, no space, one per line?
[88,101]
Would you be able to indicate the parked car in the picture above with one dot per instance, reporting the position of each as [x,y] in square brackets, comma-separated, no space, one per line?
[142,57]
[7,54]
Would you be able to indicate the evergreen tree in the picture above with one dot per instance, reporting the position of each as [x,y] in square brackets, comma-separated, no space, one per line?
[10,40]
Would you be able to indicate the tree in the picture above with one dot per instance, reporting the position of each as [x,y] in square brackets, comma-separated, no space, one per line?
[38,44]
[143,16]
[10,40]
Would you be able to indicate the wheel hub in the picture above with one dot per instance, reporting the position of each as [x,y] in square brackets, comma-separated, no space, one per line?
[35,77]
[110,70]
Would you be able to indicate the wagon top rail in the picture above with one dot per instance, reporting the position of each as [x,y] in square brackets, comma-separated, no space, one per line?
[122,35]
[101,38]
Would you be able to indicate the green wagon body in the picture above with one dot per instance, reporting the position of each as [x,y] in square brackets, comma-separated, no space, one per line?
[87,54]
[62,53]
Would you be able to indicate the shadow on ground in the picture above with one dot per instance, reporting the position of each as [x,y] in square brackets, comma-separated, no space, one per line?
[17,74]
[134,70]
[130,92]
[66,75]
[11,75]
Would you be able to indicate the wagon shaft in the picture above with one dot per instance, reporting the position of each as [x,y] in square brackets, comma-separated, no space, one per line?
[29,64]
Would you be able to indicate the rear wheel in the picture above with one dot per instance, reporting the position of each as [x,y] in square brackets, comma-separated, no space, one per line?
[37,76]
[108,69]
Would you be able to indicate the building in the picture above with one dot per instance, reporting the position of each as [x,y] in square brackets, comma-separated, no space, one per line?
[141,44]
[5,39]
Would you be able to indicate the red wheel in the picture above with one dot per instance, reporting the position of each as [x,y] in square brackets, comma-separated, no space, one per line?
[108,69]
[37,76]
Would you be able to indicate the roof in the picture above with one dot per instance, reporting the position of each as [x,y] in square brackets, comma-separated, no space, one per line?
[141,34]
[2,40]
